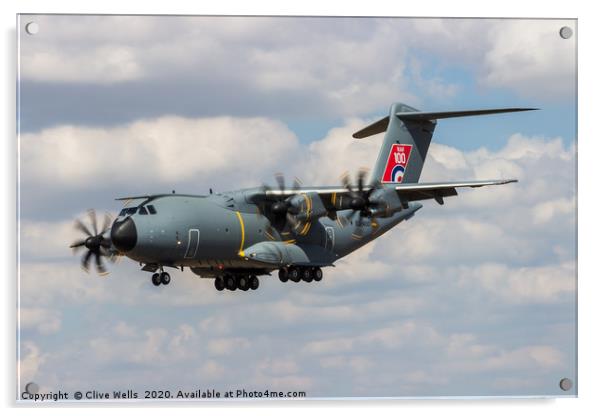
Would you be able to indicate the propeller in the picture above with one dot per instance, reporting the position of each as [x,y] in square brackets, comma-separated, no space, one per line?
[283,211]
[97,245]
[359,203]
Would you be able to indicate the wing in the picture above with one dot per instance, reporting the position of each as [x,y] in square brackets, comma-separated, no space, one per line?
[333,197]
[437,191]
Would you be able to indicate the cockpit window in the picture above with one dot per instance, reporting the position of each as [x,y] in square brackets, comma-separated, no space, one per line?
[128,211]
[143,210]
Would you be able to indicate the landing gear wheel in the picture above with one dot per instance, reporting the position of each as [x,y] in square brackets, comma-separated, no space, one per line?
[307,275]
[243,283]
[253,282]
[294,274]
[156,279]
[219,283]
[283,275]
[165,278]
[317,274]
[230,282]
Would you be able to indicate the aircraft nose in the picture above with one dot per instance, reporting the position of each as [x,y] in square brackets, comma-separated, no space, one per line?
[124,235]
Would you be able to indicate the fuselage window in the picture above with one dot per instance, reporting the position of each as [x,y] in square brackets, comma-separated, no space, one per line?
[142,211]
[151,209]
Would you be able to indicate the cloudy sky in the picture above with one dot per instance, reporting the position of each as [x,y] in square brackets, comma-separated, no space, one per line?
[473,298]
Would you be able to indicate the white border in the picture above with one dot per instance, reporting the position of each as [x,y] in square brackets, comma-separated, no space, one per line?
[589,149]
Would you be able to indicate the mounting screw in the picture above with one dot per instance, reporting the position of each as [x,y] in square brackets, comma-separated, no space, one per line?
[32,28]
[32,388]
[566,32]
[566,384]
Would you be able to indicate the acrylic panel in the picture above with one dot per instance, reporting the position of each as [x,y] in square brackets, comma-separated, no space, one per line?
[158,162]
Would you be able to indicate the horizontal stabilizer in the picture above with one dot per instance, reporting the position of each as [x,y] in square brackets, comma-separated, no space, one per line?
[380,126]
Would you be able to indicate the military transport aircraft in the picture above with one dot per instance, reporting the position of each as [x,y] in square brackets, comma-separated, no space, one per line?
[233,237]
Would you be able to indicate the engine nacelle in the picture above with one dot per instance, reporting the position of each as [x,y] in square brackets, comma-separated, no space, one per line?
[306,207]
[384,202]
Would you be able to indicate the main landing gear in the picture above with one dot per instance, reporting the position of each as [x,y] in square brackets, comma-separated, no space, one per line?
[162,278]
[233,282]
[296,274]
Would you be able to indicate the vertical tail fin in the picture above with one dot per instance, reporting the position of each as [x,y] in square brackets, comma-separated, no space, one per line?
[408,134]
[404,147]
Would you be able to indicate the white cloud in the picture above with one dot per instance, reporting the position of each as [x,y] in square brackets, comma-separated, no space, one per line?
[285,383]
[497,225]
[44,320]
[337,153]
[392,308]
[124,330]
[45,283]
[546,211]
[490,250]
[215,324]
[155,151]
[280,55]
[356,363]
[534,148]
[147,348]
[211,370]
[532,356]
[31,359]
[532,59]
[279,366]
[330,346]
[47,239]
[523,284]
[104,64]
[345,66]
[225,346]
[526,56]
[435,87]
[385,337]
[356,85]
[355,268]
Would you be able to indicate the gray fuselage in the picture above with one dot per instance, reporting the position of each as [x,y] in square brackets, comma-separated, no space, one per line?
[210,233]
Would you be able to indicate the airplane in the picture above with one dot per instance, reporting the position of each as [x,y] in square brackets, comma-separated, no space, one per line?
[234,237]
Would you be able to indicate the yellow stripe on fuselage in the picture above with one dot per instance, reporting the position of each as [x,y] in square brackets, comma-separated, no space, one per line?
[241,253]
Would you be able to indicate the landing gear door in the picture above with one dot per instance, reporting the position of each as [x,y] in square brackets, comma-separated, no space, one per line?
[193,243]
[329,239]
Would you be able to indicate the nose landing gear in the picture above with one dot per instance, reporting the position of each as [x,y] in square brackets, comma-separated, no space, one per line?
[156,279]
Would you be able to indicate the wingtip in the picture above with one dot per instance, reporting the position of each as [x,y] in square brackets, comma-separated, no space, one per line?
[517,109]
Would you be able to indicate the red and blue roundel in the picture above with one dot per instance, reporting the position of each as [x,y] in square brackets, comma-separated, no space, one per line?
[397,163]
